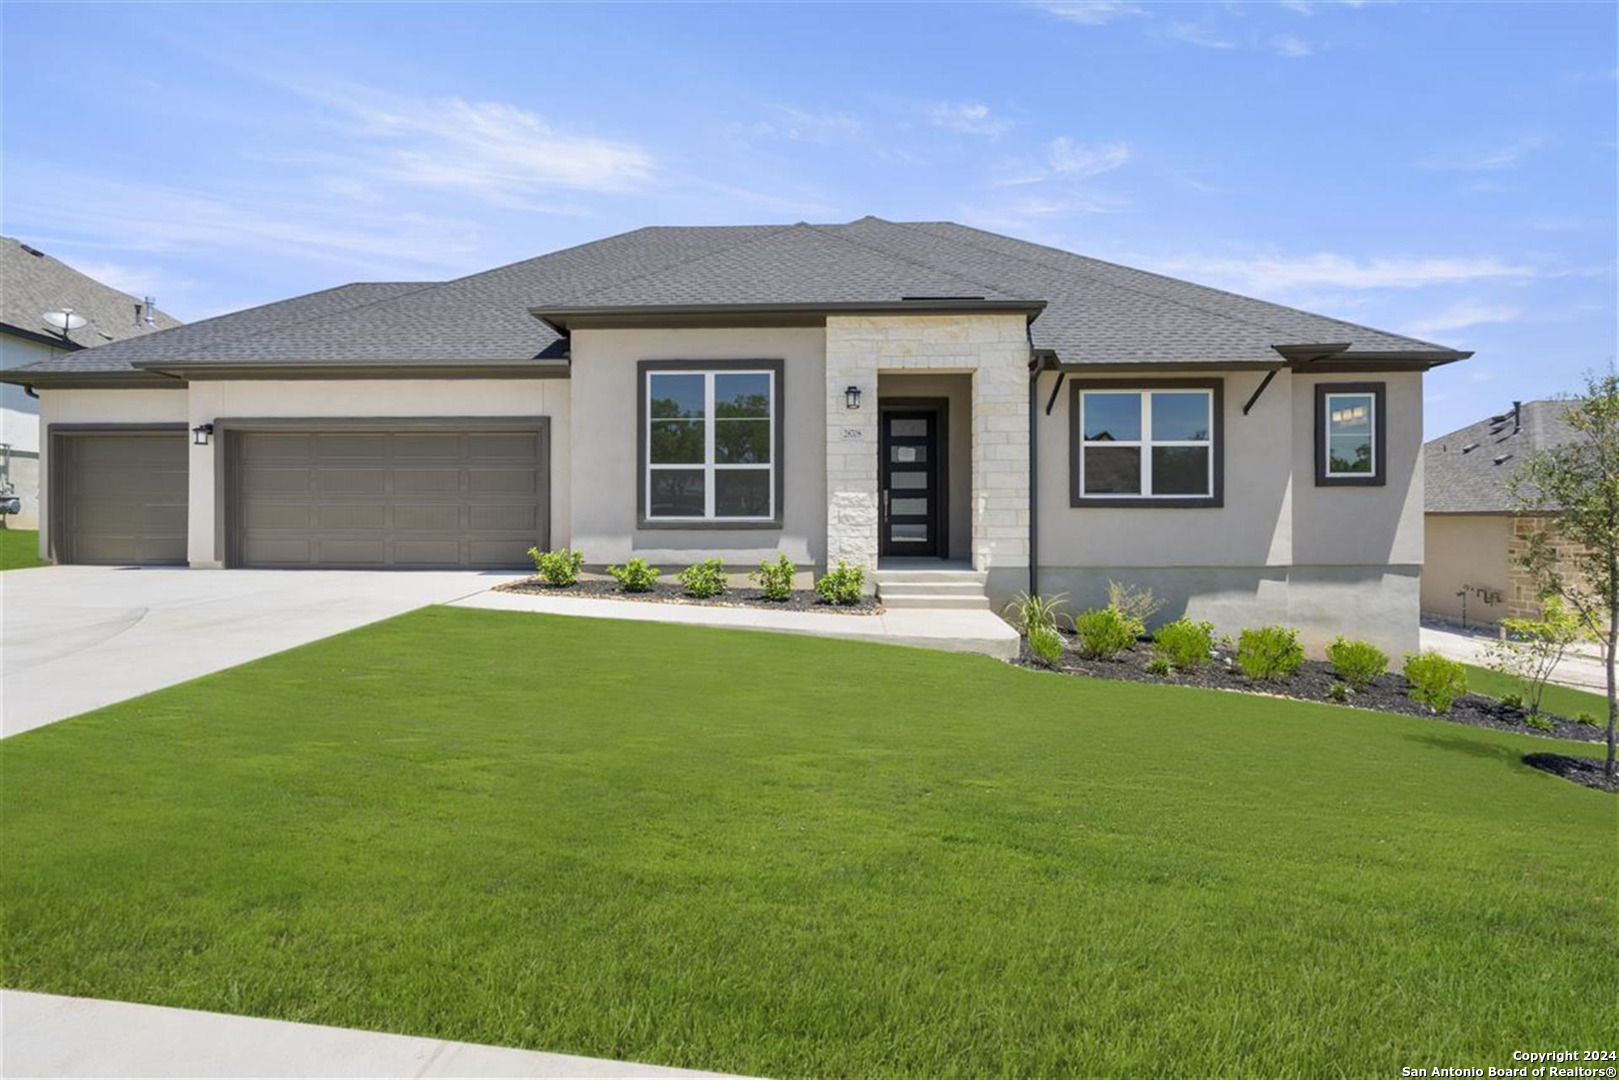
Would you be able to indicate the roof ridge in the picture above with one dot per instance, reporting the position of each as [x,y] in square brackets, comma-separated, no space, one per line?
[1185,303]
[999,290]
[620,282]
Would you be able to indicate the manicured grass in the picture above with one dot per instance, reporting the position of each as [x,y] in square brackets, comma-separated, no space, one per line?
[1559,699]
[787,856]
[19,549]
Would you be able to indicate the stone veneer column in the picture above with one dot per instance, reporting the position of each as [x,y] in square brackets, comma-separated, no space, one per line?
[995,350]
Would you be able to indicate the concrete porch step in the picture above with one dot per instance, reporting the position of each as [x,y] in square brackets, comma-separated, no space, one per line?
[908,576]
[931,588]
[934,601]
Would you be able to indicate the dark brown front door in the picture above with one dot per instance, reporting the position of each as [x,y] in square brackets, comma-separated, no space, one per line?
[910,483]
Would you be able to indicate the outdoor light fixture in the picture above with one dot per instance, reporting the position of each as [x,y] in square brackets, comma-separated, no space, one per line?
[201,434]
[851,397]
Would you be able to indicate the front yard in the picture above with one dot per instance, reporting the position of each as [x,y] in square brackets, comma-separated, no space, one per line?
[19,549]
[787,856]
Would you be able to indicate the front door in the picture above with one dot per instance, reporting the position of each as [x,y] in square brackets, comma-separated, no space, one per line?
[910,483]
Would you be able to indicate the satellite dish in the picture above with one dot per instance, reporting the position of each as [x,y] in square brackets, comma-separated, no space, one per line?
[65,320]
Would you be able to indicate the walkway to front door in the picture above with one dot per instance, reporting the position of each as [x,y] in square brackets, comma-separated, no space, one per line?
[910,472]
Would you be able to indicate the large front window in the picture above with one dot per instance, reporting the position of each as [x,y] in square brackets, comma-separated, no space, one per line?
[710,445]
[1146,444]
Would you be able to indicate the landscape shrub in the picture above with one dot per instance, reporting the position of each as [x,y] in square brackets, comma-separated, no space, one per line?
[1339,692]
[1184,644]
[1531,649]
[1588,720]
[1539,722]
[1045,644]
[1030,610]
[1104,633]
[1270,653]
[559,568]
[775,579]
[1357,663]
[637,575]
[1160,666]
[842,585]
[704,580]
[1436,681]
[1133,603]
[1512,701]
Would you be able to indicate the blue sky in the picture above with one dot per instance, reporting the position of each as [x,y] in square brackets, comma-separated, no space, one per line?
[1447,169]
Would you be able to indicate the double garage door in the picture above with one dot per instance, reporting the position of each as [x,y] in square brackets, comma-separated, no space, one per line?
[435,494]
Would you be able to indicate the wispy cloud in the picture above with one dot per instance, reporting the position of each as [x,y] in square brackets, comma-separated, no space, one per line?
[1291,46]
[1273,273]
[1484,159]
[1464,313]
[795,124]
[1033,213]
[1079,161]
[1201,35]
[969,118]
[1094,12]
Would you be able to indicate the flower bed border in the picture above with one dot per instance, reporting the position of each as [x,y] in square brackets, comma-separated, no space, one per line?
[805,600]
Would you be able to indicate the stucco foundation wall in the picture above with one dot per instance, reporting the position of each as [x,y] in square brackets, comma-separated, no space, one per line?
[97,407]
[1466,550]
[1325,560]
[207,402]
[605,522]
[994,351]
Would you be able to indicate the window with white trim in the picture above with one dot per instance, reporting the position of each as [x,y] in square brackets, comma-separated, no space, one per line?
[1350,445]
[710,445]
[1146,444]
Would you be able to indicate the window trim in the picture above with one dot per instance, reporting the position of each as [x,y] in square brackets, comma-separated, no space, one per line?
[644,370]
[1379,474]
[1076,496]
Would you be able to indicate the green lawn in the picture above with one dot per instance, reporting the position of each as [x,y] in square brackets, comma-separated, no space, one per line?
[1559,699]
[788,856]
[19,549]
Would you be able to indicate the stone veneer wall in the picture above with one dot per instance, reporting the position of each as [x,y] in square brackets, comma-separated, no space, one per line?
[995,350]
[1523,599]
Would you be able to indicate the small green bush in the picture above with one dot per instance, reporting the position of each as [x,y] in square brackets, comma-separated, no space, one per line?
[1045,644]
[1029,610]
[1436,681]
[1339,692]
[559,568]
[1539,722]
[842,585]
[1184,643]
[1588,720]
[1160,666]
[637,575]
[1512,701]
[1271,653]
[1357,663]
[775,579]
[1104,633]
[704,580]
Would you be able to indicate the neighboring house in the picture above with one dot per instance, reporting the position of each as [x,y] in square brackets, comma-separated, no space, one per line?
[1474,533]
[899,396]
[34,287]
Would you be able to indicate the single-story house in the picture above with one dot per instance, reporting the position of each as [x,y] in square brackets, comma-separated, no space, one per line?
[901,396]
[48,308]
[1474,532]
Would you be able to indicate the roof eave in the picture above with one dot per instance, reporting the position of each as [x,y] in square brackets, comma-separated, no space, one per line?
[1342,357]
[564,319]
[90,380]
[360,369]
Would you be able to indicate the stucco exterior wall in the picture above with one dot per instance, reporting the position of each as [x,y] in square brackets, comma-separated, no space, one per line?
[994,350]
[207,402]
[605,522]
[98,407]
[19,413]
[1471,551]
[1326,560]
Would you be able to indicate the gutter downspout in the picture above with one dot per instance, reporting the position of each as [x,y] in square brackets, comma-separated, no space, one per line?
[1037,365]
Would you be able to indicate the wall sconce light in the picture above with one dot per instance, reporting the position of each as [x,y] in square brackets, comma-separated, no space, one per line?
[851,397]
[201,434]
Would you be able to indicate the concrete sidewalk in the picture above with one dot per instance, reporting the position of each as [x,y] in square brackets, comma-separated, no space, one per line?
[1581,669]
[954,631]
[46,1035]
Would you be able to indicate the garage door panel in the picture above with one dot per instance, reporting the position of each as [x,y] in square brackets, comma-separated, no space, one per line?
[392,499]
[123,497]
[280,448]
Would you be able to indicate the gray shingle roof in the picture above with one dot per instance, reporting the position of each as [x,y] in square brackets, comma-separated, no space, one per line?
[1096,311]
[32,283]
[1469,470]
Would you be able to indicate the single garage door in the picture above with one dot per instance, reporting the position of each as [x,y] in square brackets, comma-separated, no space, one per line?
[119,498]
[388,499]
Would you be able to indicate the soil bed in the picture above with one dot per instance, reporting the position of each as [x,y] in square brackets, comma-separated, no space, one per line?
[1587,771]
[1313,682]
[668,592]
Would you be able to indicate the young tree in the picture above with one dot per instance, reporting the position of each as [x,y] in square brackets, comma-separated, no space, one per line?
[1573,492]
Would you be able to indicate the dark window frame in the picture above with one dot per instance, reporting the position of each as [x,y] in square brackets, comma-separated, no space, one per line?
[1076,496]
[778,369]
[1378,477]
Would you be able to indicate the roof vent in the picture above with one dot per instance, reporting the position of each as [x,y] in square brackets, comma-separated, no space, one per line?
[1499,458]
[38,254]
[1469,448]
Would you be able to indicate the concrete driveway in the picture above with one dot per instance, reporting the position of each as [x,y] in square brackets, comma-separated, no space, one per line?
[76,638]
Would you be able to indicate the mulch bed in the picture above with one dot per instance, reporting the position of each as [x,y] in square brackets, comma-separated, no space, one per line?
[670,593]
[1313,682]
[1587,771]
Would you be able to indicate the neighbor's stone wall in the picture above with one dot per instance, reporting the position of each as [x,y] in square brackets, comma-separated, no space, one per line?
[994,349]
[1523,599]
